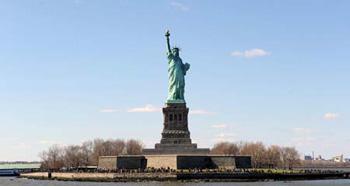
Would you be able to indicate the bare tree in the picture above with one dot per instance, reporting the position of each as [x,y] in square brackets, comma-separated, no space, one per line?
[257,151]
[227,148]
[134,147]
[290,157]
[73,156]
[97,150]
[262,157]
[109,147]
[53,158]
[273,156]
[87,153]
[118,146]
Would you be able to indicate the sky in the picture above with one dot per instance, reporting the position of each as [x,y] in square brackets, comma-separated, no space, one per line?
[271,71]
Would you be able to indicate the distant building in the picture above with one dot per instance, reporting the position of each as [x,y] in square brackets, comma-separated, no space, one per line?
[319,157]
[308,157]
[339,159]
[346,159]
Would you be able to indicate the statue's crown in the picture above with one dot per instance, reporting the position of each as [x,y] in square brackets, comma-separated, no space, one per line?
[175,47]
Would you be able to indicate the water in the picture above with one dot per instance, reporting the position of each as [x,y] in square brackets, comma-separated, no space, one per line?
[10,181]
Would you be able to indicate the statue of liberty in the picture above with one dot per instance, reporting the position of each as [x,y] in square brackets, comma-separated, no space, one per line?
[176,72]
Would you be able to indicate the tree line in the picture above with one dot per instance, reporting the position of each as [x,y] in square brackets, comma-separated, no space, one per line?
[263,156]
[87,153]
[73,156]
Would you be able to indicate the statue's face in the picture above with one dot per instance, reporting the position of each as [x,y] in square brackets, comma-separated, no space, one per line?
[175,51]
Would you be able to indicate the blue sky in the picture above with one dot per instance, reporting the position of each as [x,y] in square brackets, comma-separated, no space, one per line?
[271,71]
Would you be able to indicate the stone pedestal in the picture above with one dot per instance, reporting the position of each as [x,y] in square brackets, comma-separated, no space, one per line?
[175,136]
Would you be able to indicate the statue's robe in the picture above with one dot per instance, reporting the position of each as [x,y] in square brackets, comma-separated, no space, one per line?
[176,72]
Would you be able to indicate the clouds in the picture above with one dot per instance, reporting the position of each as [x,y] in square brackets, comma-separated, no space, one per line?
[146,108]
[151,108]
[179,6]
[200,112]
[252,53]
[224,133]
[329,116]
[223,136]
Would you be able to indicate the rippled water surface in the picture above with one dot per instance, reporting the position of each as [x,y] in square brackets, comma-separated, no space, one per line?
[8,181]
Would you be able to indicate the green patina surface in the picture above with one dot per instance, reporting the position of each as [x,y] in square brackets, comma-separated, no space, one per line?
[19,165]
[176,74]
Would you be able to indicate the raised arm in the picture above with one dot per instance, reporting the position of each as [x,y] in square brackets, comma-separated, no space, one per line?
[167,35]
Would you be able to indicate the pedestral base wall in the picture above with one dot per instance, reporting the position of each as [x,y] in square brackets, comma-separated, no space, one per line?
[174,161]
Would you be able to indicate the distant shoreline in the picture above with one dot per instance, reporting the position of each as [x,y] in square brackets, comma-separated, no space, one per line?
[206,177]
